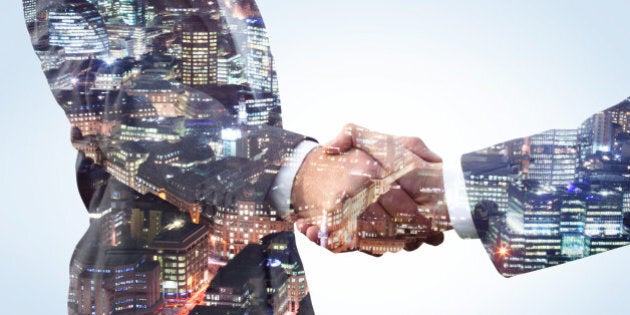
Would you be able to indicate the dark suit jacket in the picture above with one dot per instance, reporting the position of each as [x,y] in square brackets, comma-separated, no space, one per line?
[174,110]
[553,197]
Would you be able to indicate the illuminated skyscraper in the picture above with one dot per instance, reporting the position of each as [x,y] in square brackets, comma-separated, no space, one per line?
[105,7]
[533,210]
[259,70]
[621,115]
[182,251]
[30,10]
[230,70]
[118,281]
[554,157]
[604,213]
[199,51]
[129,41]
[602,132]
[487,178]
[572,222]
[133,12]
[78,28]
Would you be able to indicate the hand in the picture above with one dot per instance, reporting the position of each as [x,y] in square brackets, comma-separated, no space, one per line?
[420,188]
[322,187]
[350,199]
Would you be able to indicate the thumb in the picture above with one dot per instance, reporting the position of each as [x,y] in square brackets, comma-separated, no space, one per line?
[383,148]
[344,141]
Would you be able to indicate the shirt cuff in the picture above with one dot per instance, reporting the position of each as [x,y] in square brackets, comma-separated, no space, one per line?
[280,193]
[457,199]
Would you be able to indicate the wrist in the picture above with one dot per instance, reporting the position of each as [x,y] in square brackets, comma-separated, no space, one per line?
[280,193]
[457,199]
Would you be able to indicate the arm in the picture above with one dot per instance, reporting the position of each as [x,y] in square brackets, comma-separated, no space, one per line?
[553,197]
[400,204]
[175,113]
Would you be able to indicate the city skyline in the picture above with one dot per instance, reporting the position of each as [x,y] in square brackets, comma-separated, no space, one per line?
[585,94]
[553,197]
[169,107]
[175,108]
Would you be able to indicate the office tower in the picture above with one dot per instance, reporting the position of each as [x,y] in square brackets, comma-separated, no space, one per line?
[621,115]
[572,223]
[78,28]
[199,51]
[252,281]
[602,132]
[105,7]
[182,251]
[115,282]
[259,69]
[604,213]
[127,41]
[230,70]
[553,157]
[30,10]
[133,12]
[487,178]
[533,210]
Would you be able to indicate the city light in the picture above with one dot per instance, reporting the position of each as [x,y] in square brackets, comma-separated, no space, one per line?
[503,251]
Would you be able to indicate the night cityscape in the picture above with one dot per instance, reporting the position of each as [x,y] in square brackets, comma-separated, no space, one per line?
[174,110]
[554,197]
[175,114]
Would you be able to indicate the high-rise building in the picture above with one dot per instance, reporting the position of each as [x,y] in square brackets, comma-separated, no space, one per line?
[533,210]
[127,41]
[118,281]
[602,132]
[230,70]
[572,223]
[251,280]
[133,12]
[182,251]
[553,157]
[199,51]
[604,213]
[78,28]
[30,10]
[621,115]
[259,62]
[487,178]
[105,7]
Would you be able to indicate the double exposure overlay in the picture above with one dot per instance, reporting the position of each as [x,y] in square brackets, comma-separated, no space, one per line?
[400,206]
[553,197]
[174,110]
[175,113]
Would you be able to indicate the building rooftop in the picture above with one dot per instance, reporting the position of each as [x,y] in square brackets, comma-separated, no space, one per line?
[178,238]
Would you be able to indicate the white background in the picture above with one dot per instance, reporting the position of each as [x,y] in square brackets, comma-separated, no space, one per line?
[460,75]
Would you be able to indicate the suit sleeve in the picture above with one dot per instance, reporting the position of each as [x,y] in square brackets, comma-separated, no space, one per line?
[553,197]
[174,110]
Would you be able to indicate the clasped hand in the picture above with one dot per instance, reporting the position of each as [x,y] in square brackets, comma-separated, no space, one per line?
[371,192]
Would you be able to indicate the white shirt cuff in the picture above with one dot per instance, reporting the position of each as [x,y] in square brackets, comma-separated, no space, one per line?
[280,193]
[457,199]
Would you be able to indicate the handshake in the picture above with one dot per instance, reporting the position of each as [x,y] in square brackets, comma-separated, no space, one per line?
[370,192]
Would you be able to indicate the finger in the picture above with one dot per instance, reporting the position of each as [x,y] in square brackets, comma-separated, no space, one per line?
[312,233]
[383,148]
[399,205]
[424,184]
[435,239]
[412,244]
[344,141]
[419,148]
[372,254]
[301,225]
[386,230]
